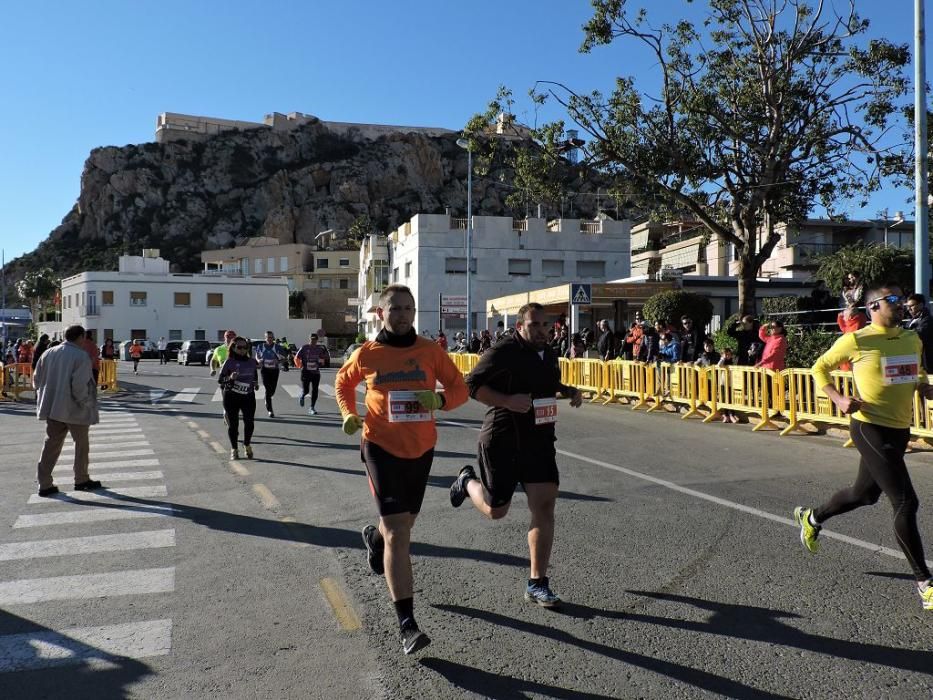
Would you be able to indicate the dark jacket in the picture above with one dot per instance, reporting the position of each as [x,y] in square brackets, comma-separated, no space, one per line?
[650,344]
[923,326]
[691,344]
[606,346]
[745,339]
[512,366]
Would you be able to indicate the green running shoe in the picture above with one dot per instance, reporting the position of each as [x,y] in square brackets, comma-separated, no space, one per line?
[808,533]
[926,595]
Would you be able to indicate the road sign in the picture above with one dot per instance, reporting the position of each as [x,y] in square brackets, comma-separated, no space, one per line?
[581,293]
[453,305]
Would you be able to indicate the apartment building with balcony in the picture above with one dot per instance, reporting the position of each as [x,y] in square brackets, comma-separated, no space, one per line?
[325,273]
[144,300]
[428,254]
[374,275]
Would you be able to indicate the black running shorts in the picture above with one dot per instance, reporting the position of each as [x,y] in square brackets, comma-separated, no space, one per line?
[502,466]
[397,484]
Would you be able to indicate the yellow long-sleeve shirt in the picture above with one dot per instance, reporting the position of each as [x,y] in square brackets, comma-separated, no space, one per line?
[887,370]
[386,369]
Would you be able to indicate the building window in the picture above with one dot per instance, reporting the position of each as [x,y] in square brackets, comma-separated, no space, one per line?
[215,300]
[407,270]
[552,268]
[108,333]
[244,266]
[91,308]
[322,263]
[344,262]
[591,268]
[199,335]
[258,265]
[182,298]
[138,334]
[106,298]
[174,335]
[325,283]
[458,265]
[344,283]
[519,266]
[283,264]
[271,265]
[220,335]
[137,299]
[395,274]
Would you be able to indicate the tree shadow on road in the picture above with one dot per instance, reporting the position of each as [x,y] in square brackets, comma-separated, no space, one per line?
[685,674]
[87,672]
[763,625]
[486,684]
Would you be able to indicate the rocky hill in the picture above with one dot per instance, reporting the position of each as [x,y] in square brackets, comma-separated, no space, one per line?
[186,196]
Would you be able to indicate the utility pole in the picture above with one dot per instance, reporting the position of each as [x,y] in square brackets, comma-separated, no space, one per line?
[921,232]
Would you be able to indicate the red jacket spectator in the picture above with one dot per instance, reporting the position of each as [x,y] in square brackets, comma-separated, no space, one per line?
[849,321]
[772,357]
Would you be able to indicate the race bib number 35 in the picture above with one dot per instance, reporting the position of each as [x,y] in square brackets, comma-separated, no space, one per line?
[545,411]
[900,369]
[405,408]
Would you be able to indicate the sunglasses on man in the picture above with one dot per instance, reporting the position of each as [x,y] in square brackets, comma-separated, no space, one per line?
[892,299]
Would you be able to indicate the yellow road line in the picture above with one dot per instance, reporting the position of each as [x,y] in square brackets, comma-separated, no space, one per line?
[269,501]
[343,611]
[203,434]
[193,425]
[220,449]
[238,468]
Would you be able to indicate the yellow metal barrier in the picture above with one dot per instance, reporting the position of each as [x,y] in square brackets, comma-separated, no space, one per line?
[107,379]
[625,380]
[17,379]
[465,362]
[748,390]
[591,377]
[677,384]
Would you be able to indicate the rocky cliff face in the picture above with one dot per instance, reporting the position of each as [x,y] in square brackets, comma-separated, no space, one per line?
[186,196]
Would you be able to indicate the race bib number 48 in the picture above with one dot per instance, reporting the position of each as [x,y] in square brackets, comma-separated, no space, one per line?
[900,369]
[405,408]
[545,411]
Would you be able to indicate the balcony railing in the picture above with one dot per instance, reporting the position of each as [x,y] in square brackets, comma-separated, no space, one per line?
[520,225]
[591,226]
[457,223]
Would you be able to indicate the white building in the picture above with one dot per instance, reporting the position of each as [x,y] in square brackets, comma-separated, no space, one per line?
[428,255]
[374,276]
[144,300]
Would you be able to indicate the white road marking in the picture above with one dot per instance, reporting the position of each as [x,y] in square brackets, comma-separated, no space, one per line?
[98,455]
[109,430]
[87,545]
[870,546]
[187,395]
[260,394]
[218,396]
[128,476]
[93,515]
[101,463]
[104,495]
[97,439]
[95,647]
[110,447]
[134,582]
[292,390]
[327,389]
[155,395]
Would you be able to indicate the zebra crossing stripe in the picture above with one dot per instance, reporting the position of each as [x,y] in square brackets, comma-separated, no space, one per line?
[115,431]
[98,439]
[219,395]
[107,454]
[94,647]
[93,515]
[107,495]
[110,447]
[118,464]
[292,390]
[128,476]
[87,545]
[328,389]
[114,583]
[186,395]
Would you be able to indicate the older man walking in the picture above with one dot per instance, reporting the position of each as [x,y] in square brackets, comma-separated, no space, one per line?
[66,399]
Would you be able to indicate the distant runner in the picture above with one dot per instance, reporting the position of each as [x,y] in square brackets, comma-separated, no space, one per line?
[269,356]
[239,380]
[401,371]
[310,358]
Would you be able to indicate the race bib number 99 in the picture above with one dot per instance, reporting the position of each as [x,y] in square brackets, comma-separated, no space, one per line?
[405,408]
[900,369]
[545,411]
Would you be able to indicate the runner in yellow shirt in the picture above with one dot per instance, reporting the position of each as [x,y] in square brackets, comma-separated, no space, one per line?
[887,371]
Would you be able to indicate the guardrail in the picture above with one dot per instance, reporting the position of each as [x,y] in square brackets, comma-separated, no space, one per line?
[762,395]
[107,379]
[17,380]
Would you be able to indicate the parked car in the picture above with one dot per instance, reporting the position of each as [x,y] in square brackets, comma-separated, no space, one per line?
[171,349]
[210,353]
[193,351]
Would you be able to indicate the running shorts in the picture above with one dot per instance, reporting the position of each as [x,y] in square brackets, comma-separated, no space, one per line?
[397,484]
[502,466]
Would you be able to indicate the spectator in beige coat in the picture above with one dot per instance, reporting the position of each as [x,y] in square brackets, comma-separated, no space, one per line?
[66,399]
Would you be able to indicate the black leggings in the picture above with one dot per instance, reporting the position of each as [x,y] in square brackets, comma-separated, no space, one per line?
[312,378]
[233,404]
[270,380]
[882,468]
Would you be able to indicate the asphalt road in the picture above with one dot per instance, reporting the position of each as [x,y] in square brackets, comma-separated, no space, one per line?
[675,552]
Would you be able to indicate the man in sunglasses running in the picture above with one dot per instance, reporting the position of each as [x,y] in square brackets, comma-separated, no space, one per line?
[886,368]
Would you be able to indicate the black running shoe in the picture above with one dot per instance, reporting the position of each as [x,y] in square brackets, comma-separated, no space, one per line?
[412,638]
[89,485]
[458,490]
[50,491]
[374,550]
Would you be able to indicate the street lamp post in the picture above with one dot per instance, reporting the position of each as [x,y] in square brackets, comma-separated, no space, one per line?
[464,143]
[921,232]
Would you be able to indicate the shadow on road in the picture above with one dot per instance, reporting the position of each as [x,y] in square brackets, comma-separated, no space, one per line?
[89,672]
[685,674]
[762,624]
[486,684]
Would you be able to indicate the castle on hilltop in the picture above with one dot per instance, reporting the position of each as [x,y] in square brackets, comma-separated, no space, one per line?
[171,126]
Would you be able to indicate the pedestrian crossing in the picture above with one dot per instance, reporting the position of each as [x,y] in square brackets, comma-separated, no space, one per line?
[191,394]
[72,524]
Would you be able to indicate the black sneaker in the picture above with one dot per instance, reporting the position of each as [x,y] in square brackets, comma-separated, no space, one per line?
[89,485]
[412,638]
[374,550]
[50,491]
[458,491]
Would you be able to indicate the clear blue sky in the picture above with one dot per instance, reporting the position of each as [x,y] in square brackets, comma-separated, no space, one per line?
[77,75]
